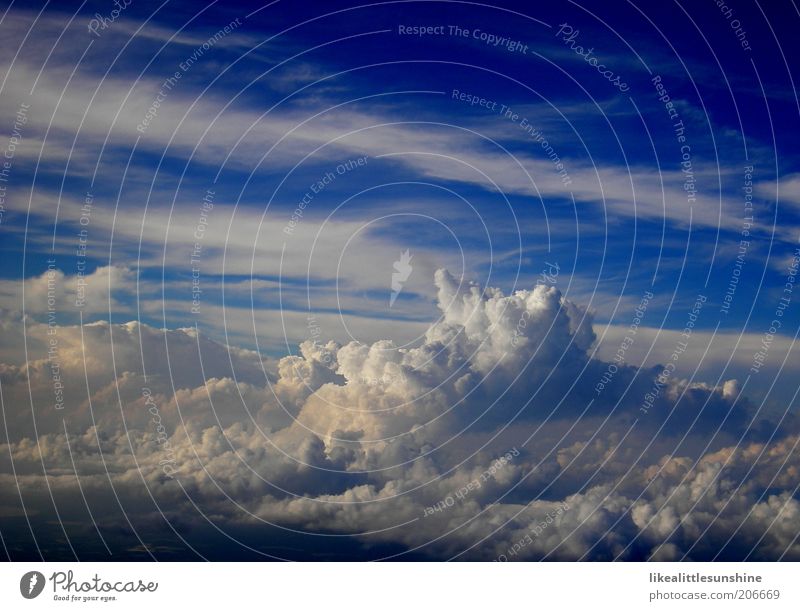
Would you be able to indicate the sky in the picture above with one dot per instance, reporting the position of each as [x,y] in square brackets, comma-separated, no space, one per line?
[414,280]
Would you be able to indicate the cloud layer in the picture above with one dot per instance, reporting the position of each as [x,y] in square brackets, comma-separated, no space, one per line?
[467,445]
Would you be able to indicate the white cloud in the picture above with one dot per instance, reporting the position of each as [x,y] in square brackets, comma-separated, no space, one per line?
[359,439]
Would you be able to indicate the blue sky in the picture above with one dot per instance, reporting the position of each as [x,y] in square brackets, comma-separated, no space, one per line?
[269,109]
[183,150]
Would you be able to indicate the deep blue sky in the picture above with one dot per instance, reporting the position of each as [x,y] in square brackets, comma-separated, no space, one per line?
[354,68]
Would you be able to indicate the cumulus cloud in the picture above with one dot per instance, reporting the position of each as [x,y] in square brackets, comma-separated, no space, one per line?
[474,444]
[55,291]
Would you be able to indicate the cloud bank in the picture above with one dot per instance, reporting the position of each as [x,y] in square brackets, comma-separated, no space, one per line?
[474,443]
